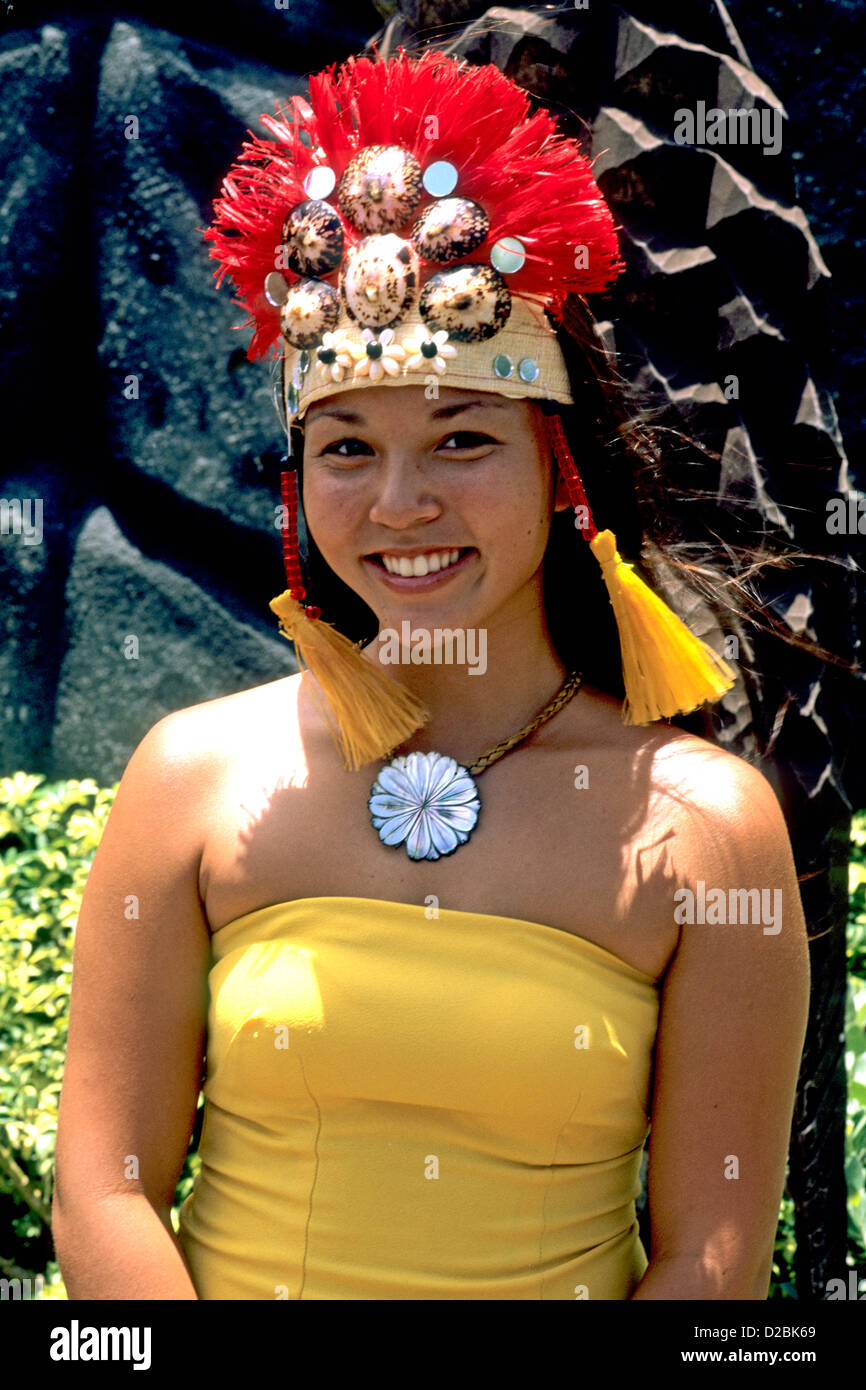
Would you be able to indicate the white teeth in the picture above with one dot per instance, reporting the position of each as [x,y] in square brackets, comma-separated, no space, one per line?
[420,565]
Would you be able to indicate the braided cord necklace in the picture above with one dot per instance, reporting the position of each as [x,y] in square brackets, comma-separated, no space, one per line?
[430,802]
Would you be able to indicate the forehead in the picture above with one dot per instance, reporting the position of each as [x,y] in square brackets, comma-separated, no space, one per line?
[365,406]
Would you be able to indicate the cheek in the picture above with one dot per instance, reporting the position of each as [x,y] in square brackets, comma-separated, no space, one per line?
[520,510]
[332,508]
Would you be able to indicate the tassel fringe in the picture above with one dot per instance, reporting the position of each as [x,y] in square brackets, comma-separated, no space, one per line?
[368,714]
[666,669]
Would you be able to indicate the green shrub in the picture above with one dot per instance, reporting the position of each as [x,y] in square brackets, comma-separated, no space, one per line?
[48,837]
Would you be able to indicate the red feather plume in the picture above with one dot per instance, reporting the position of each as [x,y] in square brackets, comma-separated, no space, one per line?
[532,180]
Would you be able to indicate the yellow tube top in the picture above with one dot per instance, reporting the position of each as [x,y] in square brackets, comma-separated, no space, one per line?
[404,1106]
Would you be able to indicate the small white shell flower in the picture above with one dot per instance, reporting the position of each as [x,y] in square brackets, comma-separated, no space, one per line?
[426,801]
[334,367]
[388,359]
[420,338]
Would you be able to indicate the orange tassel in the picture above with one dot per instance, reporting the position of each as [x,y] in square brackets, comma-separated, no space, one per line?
[368,714]
[666,669]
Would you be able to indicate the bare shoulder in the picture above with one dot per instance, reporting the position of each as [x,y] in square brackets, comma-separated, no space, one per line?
[728,825]
[189,738]
[709,775]
[719,807]
[681,765]
[726,807]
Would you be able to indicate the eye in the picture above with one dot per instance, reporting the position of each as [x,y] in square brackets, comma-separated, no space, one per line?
[338,444]
[476,440]
[472,439]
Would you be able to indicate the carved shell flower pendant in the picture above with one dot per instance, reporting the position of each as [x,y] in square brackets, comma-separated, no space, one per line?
[426,801]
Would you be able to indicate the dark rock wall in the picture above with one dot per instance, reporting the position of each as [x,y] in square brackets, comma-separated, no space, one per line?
[131,412]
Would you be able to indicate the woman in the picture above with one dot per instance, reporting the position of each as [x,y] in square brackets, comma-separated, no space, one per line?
[442,1002]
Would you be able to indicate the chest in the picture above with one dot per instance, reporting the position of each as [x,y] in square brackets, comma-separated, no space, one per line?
[558,841]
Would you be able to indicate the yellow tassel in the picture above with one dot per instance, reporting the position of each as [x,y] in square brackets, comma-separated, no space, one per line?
[666,669]
[368,714]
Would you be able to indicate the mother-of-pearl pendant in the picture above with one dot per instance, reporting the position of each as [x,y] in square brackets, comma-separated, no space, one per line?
[426,801]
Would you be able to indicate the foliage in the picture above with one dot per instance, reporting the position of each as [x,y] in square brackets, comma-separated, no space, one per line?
[48,837]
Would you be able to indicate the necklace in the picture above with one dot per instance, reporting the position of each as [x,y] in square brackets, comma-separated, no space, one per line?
[430,802]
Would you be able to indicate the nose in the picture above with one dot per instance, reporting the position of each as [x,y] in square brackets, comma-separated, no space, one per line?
[403,497]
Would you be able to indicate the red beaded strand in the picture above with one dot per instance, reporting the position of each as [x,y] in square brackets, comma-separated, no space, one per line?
[291,557]
[568,469]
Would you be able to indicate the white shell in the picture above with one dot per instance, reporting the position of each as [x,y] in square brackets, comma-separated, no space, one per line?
[380,188]
[426,801]
[450,229]
[471,301]
[313,237]
[379,280]
[320,181]
[311,309]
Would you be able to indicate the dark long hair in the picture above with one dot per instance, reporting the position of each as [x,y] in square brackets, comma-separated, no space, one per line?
[631,461]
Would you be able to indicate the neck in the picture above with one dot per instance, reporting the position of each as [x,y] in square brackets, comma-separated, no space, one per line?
[499,686]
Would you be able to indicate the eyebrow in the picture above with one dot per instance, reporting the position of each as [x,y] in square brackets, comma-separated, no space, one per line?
[445,412]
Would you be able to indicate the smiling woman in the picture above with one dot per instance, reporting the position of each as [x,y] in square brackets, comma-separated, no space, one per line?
[441,1015]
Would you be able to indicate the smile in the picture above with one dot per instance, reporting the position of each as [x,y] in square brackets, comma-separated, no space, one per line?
[429,563]
[427,568]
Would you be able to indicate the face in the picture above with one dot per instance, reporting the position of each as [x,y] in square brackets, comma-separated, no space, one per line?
[458,490]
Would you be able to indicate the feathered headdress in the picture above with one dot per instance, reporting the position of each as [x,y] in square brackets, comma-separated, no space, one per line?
[415,222]
[435,121]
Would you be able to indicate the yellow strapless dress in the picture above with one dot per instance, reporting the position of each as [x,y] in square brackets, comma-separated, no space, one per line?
[407,1106]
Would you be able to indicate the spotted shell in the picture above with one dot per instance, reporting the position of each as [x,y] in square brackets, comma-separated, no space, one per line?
[379,280]
[313,236]
[380,188]
[450,229]
[471,302]
[311,309]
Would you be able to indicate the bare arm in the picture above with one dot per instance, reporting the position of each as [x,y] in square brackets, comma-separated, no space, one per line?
[136,1033]
[732,1024]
